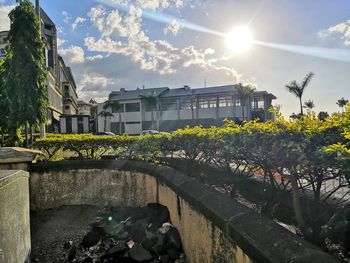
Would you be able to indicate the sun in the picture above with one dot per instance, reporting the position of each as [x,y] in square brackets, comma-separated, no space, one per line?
[240,39]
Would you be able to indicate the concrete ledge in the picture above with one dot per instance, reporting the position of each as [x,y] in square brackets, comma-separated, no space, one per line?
[260,238]
[14,216]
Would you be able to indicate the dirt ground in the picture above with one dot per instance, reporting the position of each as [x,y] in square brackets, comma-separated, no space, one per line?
[51,229]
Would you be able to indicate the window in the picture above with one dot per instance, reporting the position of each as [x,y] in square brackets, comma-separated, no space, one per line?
[206,103]
[132,107]
[66,107]
[2,51]
[237,102]
[225,102]
[168,105]
[258,104]
[66,94]
[187,104]
[118,109]
[66,87]
[4,40]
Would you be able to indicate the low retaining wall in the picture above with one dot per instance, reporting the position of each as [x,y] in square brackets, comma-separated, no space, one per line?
[214,228]
[14,217]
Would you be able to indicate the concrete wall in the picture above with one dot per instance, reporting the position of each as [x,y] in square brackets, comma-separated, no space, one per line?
[14,217]
[213,227]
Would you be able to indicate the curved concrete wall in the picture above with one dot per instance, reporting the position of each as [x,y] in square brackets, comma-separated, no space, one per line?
[214,228]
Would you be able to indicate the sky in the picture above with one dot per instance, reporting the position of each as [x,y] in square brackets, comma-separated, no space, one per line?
[113,44]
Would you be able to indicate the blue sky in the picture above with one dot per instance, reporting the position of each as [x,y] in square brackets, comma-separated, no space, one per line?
[113,46]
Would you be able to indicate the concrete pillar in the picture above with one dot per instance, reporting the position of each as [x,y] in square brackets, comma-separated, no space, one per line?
[74,125]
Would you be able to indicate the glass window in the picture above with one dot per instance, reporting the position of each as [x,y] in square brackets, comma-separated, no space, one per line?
[187,104]
[118,109]
[66,107]
[132,107]
[237,102]
[168,105]
[258,104]
[225,102]
[206,103]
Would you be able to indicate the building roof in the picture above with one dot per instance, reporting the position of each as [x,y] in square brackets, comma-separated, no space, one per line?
[46,19]
[135,94]
[179,92]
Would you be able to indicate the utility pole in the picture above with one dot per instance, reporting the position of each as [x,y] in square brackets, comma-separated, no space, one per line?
[37,12]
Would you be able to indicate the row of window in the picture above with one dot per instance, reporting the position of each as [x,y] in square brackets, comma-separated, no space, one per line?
[203,103]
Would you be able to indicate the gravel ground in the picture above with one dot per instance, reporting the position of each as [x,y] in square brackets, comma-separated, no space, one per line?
[51,229]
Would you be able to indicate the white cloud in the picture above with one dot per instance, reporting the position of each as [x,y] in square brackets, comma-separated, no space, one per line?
[73,54]
[60,42]
[4,19]
[78,21]
[342,30]
[152,55]
[174,27]
[159,4]
[66,17]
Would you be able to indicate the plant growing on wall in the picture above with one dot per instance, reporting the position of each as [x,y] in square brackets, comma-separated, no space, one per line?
[25,69]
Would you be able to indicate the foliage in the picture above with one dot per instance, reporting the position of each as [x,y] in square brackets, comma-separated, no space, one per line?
[298,88]
[25,69]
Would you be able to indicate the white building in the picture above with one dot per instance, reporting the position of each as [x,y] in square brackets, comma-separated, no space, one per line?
[175,108]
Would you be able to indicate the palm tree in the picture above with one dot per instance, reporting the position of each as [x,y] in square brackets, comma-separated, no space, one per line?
[298,88]
[105,114]
[342,103]
[309,105]
[115,106]
[244,93]
[151,101]
[323,115]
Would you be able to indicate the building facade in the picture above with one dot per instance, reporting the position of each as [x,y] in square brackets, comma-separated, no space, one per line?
[74,124]
[167,109]
[60,84]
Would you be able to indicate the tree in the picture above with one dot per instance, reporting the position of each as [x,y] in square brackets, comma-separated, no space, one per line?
[25,68]
[151,102]
[342,103]
[298,88]
[4,107]
[323,115]
[244,93]
[115,107]
[309,105]
[105,114]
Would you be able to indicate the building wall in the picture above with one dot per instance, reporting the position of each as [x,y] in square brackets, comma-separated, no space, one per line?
[3,43]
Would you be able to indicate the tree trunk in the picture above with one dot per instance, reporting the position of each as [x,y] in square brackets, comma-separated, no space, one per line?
[26,135]
[296,202]
[120,123]
[152,118]
[31,135]
[105,123]
[301,106]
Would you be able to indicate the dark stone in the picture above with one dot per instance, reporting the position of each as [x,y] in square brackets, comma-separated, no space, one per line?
[159,215]
[140,254]
[87,260]
[172,239]
[68,245]
[91,239]
[72,253]
[173,253]
[164,259]
[117,250]
[149,240]
[137,232]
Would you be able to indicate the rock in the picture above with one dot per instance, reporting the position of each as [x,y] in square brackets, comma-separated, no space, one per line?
[91,239]
[149,240]
[87,260]
[72,253]
[172,239]
[173,253]
[164,259]
[140,254]
[68,244]
[137,232]
[165,228]
[117,250]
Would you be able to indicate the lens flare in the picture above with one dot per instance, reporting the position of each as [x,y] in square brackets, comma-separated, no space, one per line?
[240,39]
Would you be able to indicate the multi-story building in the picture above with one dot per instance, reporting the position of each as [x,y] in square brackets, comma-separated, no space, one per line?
[69,89]
[60,84]
[3,43]
[167,109]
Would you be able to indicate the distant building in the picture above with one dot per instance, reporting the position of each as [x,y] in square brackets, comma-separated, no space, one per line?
[74,123]
[69,89]
[175,108]
[3,43]
[84,108]
[61,87]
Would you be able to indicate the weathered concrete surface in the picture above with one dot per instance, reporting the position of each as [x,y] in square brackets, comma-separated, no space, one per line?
[14,216]
[15,158]
[213,227]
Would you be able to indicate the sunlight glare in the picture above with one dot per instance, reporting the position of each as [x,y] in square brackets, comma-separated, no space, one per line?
[239,40]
